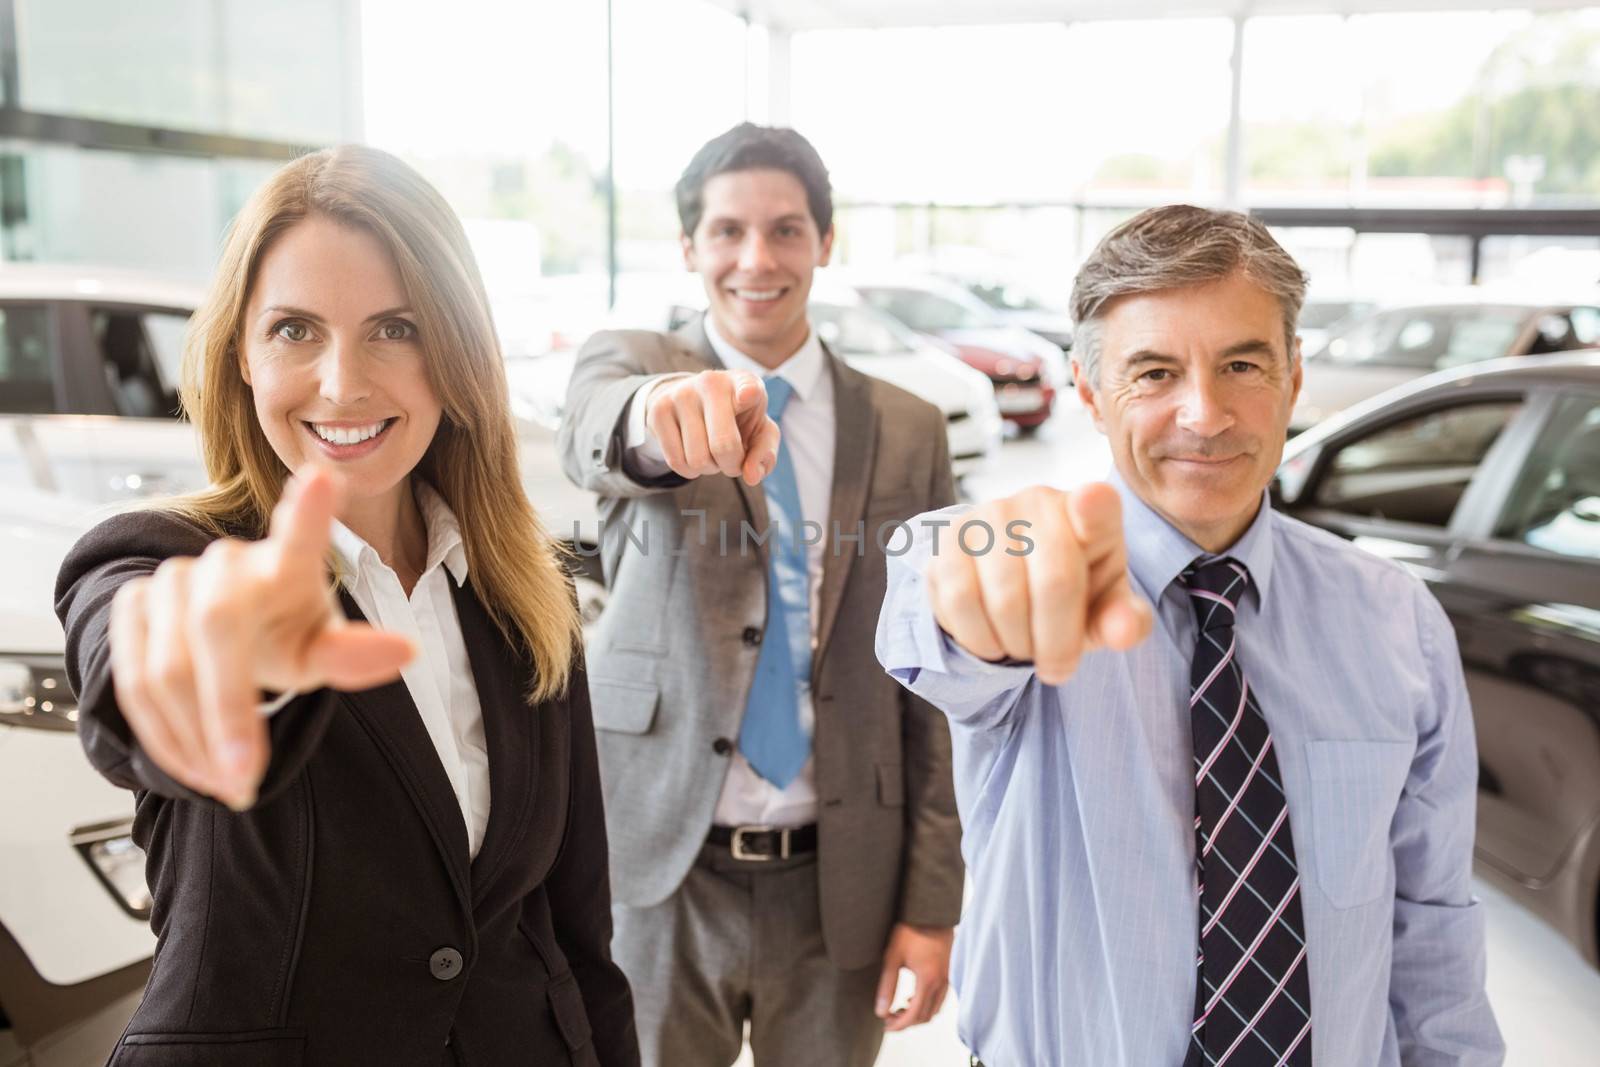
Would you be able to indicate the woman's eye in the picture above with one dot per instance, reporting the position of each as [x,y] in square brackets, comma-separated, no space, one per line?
[292,331]
[397,330]
[1157,375]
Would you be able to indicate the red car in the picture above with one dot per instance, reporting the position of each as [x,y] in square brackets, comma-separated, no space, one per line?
[1022,386]
[1017,362]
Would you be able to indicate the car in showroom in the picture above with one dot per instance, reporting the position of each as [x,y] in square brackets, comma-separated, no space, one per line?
[1026,369]
[89,402]
[1323,312]
[1484,481]
[75,940]
[1015,305]
[1369,353]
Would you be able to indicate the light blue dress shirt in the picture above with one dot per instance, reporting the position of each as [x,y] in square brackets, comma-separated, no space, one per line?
[1077,809]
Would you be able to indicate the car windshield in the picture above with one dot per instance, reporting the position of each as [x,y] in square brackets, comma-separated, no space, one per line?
[1428,338]
[855,331]
[925,311]
[1005,297]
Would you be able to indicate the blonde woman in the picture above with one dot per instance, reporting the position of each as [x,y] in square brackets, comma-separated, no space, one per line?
[346,681]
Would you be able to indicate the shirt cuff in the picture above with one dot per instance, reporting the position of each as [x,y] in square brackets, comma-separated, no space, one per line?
[641,453]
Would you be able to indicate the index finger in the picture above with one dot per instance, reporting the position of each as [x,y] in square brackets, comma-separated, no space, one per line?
[302,523]
[722,425]
[1118,617]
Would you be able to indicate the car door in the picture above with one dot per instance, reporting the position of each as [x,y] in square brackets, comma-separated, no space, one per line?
[1523,590]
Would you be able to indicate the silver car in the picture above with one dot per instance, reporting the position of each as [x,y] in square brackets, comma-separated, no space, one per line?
[1370,354]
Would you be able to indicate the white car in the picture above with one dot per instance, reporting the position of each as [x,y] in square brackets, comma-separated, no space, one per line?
[75,940]
[878,344]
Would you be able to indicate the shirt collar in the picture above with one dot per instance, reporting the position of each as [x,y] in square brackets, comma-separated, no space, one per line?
[444,538]
[1158,553]
[803,370]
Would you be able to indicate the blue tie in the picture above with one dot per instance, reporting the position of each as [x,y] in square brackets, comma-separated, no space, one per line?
[771,737]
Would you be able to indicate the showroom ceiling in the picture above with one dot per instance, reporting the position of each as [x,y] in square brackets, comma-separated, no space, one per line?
[801,15]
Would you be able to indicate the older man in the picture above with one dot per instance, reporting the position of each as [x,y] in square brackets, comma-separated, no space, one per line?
[1216,767]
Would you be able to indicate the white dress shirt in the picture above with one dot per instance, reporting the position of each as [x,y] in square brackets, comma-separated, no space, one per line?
[440,678]
[808,433]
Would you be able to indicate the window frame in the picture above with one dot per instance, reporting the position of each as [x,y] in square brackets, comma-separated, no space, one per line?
[60,384]
[1475,512]
[1483,538]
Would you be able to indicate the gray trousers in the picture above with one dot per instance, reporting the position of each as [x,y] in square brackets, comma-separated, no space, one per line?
[742,942]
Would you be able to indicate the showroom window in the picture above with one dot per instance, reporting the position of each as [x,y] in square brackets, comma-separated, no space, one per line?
[1415,470]
[1556,502]
[27,382]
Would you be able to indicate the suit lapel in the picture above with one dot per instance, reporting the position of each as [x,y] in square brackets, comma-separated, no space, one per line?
[855,447]
[509,732]
[391,718]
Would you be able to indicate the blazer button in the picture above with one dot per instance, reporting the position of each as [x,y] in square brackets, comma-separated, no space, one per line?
[752,636]
[722,746]
[445,964]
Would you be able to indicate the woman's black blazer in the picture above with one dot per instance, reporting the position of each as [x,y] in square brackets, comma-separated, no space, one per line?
[339,922]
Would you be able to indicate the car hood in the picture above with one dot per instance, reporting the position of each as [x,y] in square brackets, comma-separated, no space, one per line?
[40,530]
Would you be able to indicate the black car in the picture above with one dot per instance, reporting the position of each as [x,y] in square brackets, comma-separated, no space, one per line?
[1484,481]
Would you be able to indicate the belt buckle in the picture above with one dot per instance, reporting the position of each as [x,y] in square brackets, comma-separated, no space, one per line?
[740,852]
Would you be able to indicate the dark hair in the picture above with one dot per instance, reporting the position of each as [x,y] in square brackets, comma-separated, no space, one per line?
[751,147]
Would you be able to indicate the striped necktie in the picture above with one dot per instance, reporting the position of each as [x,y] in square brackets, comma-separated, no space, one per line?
[1252,996]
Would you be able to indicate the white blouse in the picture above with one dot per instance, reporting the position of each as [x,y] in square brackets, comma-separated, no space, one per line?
[440,678]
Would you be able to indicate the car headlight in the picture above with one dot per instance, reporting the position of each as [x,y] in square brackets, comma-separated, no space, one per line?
[109,851]
[34,693]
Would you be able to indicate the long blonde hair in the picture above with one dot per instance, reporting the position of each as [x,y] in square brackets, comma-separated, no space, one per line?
[517,568]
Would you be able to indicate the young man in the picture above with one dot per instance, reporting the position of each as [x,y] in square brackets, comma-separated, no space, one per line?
[783,829]
[1217,767]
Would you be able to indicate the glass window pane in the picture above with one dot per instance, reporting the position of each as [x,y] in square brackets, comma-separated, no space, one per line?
[165,332]
[277,71]
[97,59]
[1415,470]
[1555,504]
[27,378]
[154,214]
[131,369]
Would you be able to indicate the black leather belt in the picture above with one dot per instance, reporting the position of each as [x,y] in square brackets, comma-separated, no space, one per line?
[758,844]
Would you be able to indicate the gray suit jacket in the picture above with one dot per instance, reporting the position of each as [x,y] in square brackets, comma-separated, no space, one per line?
[672,661]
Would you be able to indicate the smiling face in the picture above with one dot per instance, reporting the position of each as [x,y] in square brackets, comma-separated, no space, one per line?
[331,352]
[1195,390]
[755,249]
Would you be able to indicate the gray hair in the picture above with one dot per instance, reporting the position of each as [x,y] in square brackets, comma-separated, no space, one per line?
[1174,247]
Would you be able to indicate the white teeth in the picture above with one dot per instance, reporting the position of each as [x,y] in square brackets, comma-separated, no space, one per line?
[348,435]
[757,294]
